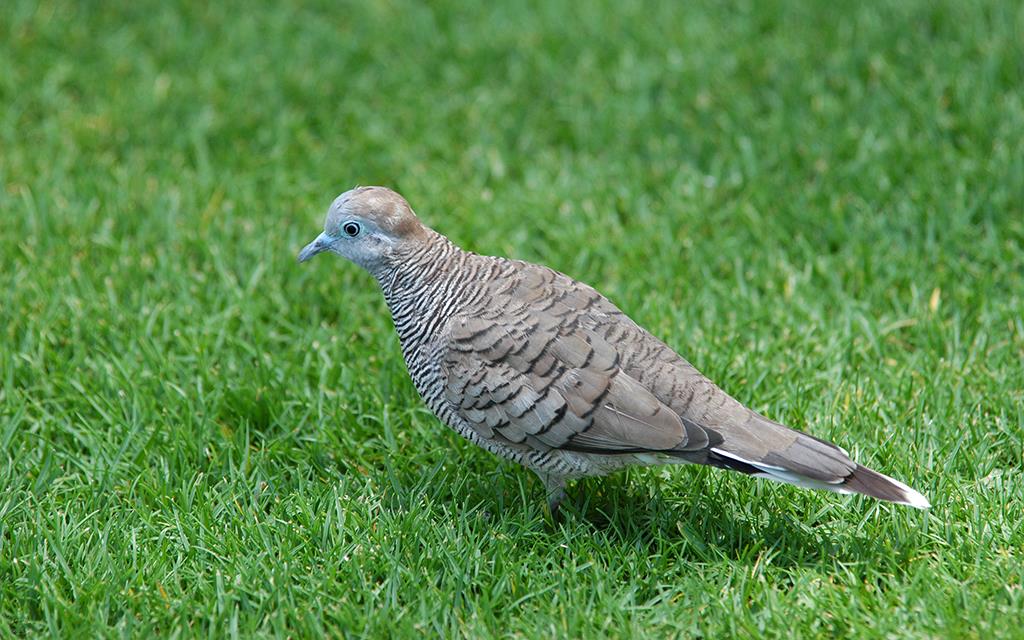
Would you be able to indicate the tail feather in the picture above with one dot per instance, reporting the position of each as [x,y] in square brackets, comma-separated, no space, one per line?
[874,484]
[860,480]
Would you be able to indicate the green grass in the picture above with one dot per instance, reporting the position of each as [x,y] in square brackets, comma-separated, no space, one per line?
[819,204]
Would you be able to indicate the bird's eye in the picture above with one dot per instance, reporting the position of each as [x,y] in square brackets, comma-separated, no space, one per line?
[351,229]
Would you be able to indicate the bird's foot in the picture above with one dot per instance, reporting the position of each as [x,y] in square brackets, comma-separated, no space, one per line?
[556,494]
[555,502]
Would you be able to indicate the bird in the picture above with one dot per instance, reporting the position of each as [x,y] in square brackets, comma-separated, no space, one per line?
[541,369]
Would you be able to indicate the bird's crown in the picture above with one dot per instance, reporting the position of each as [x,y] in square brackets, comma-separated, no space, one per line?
[379,205]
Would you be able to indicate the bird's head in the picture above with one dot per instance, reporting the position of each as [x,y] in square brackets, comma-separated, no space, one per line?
[369,226]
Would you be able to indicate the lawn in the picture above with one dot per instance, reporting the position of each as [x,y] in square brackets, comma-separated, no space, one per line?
[819,204]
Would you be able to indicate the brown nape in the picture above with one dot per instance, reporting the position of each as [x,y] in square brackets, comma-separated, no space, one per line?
[388,209]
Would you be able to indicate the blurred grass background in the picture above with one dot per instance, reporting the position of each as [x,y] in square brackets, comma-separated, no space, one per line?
[819,204]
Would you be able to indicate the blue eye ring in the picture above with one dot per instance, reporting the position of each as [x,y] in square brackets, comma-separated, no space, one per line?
[350,229]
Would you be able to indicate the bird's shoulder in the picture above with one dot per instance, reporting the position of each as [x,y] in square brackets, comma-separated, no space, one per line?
[520,287]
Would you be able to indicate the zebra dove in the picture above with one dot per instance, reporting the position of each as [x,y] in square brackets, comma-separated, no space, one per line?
[543,370]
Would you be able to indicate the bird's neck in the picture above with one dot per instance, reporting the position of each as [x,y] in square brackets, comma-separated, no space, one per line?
[422,286]
[417,266]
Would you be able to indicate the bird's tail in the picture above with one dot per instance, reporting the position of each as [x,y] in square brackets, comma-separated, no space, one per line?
[766,449]
[862,480]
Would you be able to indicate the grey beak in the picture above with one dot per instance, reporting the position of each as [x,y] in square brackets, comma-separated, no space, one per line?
[320,244]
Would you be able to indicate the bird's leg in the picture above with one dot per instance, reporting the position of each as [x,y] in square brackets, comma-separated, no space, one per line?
[555,486]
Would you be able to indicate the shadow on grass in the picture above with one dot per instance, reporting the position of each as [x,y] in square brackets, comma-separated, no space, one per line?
[716,519]
[718,523]
[713,524]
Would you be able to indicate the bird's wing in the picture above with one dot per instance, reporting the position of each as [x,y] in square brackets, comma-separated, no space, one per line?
[527,371]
